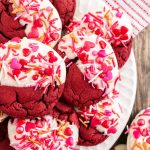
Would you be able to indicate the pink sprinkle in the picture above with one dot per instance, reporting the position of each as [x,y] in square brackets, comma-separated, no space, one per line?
[15,64]
[34,47]
[108,113]
[102,53]
[16,39]
[69,141]
[108,76]
[136,134]
[119,15]
[48,9]
[88,45]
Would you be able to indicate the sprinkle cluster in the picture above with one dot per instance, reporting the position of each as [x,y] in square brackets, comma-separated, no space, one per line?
[104,116]
[96,59]
[30,63]
[140,130]
[43,133]
[106,23]
[40,18]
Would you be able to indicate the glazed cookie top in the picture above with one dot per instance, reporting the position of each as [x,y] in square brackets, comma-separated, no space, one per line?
[139,132]
[25,62]
[43,133]
[3,116]
[96,58]
[104,116]
[111,24]
[40,18]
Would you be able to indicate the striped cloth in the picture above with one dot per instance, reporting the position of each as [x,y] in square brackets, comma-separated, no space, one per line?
[138,12]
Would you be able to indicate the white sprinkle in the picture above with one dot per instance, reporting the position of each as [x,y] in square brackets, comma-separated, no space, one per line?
[96,76]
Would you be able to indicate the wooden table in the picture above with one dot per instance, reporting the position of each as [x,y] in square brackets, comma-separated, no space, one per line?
[142,55]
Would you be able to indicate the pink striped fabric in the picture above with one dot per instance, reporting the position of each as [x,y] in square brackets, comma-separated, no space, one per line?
[138,12]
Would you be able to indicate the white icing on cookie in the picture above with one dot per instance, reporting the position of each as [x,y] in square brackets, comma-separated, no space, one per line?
[104,116]
[41,19]
[43,133]
[111,24]
[25,62]
[139,132]
[3,116]
[97,60]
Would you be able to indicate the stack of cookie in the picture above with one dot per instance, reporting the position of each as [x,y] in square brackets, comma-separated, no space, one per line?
[57,91]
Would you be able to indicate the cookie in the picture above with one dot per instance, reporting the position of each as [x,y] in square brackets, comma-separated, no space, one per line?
[139,131]
[66,9]
[42,133]
[32,78]
[100,120]
[95,72]
[112,25]
[37,20]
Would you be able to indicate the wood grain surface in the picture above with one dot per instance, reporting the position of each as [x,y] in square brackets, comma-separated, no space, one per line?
[141,48]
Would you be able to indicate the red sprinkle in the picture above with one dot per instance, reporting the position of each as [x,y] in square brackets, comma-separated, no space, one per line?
[54,36]
[38,23]
[148,140]
[26,52]
[35,77]
[144,132]
[91,25]
[124,30]
[52,59]
[99,32]
[16,72]
[141,122]
[106,123]
[124,37]
[23,62]
[68,131]
[102,44]
[29,126]
[48,71]
[112,130]
[117,32]
[83,57]
[19,129]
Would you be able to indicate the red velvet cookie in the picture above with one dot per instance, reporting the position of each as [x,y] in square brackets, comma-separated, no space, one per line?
[99,121]
[32,78]
[66,9]
[95,71]
[109,23]
[45,133]
[37,20]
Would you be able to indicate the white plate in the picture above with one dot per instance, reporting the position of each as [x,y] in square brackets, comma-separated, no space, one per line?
[126,87]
